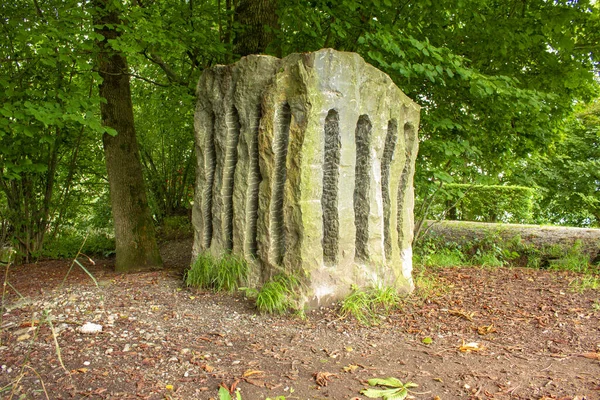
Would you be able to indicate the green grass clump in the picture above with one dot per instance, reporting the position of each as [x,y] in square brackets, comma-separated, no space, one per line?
[223,274]
[587,282]
[369,304]
[446,258]
[279,295]
[487,260]
[231,271]
[574,260]
[427,284]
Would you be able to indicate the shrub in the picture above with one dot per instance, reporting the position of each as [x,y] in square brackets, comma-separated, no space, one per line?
[68,243]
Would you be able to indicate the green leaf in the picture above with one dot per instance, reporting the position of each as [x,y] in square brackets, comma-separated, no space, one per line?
[385,394]
[224,394]
[391,381]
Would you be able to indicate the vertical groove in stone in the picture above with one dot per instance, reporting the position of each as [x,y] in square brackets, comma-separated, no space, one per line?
[388,154]
[362,186]
[329,199]
[409,136]
[210,162]
[283,120]
[254,179]
[232,120]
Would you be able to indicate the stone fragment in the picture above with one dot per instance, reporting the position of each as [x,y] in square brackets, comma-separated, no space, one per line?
[89,328]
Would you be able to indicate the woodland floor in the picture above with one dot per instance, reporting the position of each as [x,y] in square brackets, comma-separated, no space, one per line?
[537,339]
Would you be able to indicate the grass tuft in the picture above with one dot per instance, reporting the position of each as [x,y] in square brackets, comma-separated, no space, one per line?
[278,295]
[427,284]
[586,282]
[445,257]
[224,274]
[368,305]
[575,260]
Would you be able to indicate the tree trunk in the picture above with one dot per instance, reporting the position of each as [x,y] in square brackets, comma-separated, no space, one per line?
[259,20]
[134,230]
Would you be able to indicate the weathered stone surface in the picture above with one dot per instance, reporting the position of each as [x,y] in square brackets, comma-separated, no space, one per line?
[305,165]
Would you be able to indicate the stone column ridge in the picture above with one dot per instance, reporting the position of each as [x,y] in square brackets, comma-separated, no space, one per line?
[305,166]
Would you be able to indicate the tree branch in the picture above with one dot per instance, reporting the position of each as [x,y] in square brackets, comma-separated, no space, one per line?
[171,75]
[136,76]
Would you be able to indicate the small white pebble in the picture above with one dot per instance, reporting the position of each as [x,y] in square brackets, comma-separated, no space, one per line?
[90,327]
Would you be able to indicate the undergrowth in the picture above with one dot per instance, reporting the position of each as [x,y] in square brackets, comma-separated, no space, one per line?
[493,251]
[68,244]
[574,260]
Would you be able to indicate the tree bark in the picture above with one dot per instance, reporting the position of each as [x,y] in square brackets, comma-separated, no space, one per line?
[134,230]
[259,20]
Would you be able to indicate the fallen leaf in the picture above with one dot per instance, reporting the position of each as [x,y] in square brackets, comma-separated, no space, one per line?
[251,372]
[255,382]
[472,346]
[169,387]
[207,368]
[29,324]
[593,356]
[484,330]
[351,368]
[427,340]
[322,378]
[462,314]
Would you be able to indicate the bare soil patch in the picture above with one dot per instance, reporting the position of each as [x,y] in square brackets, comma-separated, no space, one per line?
[532,337]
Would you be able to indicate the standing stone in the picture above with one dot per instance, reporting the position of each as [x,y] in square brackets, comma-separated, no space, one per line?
[305,166]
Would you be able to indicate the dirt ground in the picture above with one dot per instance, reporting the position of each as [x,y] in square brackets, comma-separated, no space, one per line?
[531,337]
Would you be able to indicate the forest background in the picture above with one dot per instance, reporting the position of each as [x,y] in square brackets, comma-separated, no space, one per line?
[509,127]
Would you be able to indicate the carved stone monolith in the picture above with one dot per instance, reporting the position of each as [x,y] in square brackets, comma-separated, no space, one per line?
[305,166]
